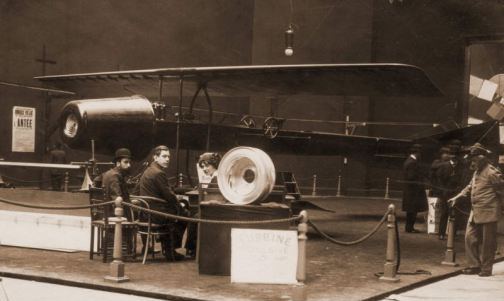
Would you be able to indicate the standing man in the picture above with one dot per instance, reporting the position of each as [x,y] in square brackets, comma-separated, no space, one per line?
[154,183]
[57,156]
[449,178]
[414,197]
[486,192]
[444,156]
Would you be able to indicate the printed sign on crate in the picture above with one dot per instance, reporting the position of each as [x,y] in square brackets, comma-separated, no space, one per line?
[433,216]
[264,256]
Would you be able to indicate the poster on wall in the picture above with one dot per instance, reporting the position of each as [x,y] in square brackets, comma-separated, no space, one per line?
[23,129]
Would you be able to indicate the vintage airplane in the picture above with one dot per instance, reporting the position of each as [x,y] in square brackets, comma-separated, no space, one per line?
[139,123]
[125,121]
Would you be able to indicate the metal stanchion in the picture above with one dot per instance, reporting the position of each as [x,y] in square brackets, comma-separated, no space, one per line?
[390,267]
[387,183]
[117,265]
[450,252]
[314,189]
[65,181]
[302,229]
[338,192]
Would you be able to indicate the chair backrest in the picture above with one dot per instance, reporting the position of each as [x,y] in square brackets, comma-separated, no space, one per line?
[157,204]
[138,215]
[97,196]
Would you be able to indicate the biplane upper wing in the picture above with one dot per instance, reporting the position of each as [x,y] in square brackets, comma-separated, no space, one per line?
[387,80]
[381,80]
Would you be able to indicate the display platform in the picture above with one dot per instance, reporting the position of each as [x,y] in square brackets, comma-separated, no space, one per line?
[214,240]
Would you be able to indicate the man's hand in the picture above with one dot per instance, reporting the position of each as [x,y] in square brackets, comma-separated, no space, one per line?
[451,202]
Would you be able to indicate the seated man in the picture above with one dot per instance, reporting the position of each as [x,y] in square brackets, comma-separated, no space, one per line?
[113,181]
[114,187]
[154,183]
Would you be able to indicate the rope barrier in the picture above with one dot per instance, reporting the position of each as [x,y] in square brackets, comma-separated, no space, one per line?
[210,221]
[193,220]
[55,207]
[353,242]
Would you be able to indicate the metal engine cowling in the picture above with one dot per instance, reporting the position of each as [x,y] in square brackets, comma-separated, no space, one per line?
[246,175]
[111,122]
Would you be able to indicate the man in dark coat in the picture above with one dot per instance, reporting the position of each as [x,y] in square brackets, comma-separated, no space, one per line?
[486,190]
[449,179]
[113,181]
[154,183]
[57,156]
[444,156]
[414,196]
[114,186]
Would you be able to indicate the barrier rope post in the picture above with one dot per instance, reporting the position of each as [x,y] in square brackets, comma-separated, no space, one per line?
[117,265]
[387,184]
[302,230]
[314,189]
[65,182]
[390,267]
[338,191]
[450,252]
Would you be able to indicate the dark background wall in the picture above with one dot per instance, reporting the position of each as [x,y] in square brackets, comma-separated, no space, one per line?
[431,35]
[87,36]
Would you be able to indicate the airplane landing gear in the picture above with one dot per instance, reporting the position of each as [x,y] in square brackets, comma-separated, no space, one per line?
[248,122]
[271,127]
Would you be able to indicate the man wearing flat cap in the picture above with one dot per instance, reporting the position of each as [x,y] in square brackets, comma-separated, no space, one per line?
[486,190]
[414,196]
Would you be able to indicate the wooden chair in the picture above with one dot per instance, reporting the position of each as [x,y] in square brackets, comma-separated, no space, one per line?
[104,230]
[152,230]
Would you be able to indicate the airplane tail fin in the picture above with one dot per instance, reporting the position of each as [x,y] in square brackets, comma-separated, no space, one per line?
[486,133]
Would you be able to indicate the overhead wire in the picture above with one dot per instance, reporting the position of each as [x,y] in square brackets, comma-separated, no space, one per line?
[359,123]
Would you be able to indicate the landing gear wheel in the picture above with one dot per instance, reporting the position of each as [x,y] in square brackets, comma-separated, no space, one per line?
[271,127]
[248,121]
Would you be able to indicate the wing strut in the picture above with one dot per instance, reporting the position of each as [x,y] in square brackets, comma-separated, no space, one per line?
[210,116]
[177,145]
[161,89]
[203,86]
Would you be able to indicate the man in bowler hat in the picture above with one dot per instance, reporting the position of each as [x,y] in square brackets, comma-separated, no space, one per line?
[414,196]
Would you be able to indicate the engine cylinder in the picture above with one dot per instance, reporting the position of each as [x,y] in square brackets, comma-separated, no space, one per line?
[111,122]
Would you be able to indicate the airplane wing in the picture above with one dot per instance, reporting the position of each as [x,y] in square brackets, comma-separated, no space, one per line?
[486,133]
[193,135]
[383,80]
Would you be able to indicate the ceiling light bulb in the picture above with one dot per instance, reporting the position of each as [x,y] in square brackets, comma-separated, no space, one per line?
[289,41]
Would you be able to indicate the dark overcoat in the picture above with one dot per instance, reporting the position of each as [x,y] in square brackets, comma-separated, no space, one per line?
[414,196]
[154,183]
